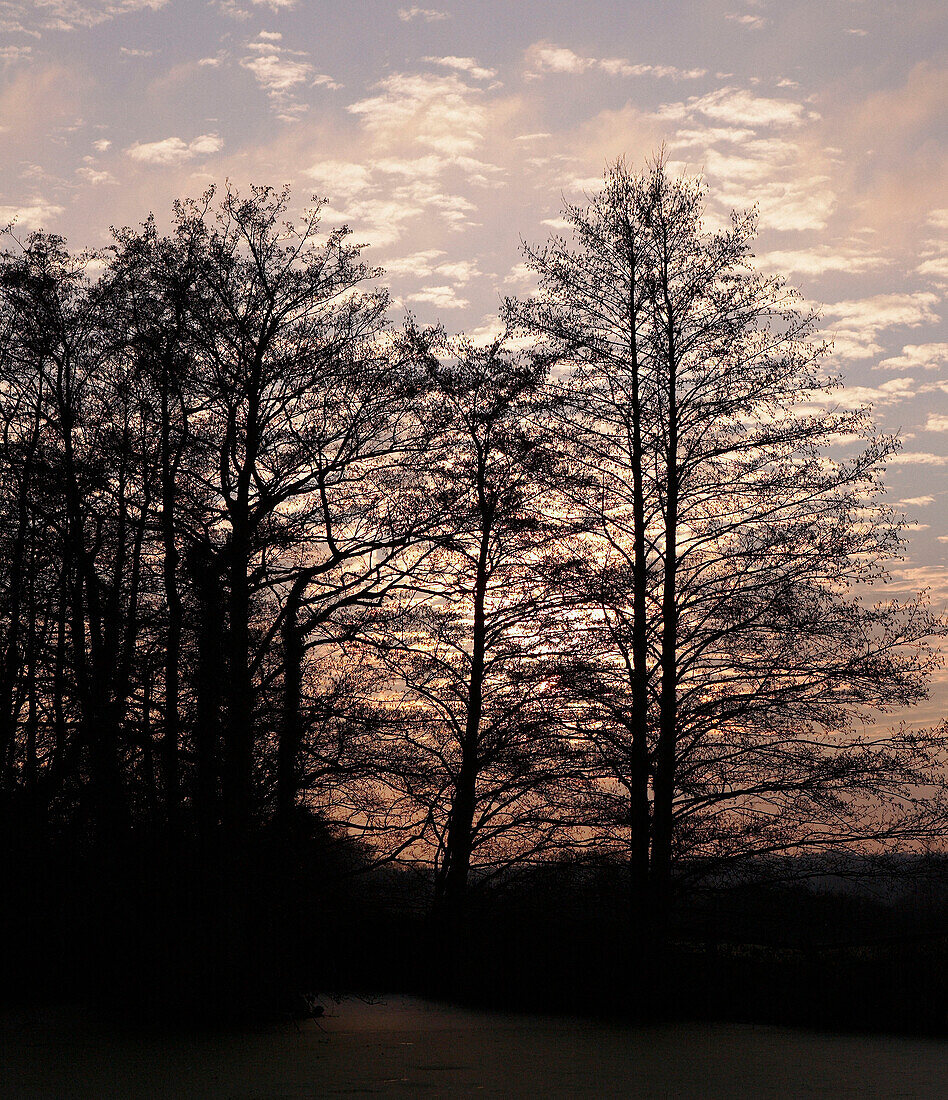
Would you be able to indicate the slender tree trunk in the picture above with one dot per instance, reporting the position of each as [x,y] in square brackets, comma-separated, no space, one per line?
[239,747]
[211,677]
[95,667]
[112,653]
[59,676]
[11,649]
[666,756]
[460,830]
[288,772]
[148,761]
[170,563]
[640,810]
[240,723]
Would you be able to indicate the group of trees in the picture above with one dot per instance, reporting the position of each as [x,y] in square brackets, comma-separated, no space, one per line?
[268,560]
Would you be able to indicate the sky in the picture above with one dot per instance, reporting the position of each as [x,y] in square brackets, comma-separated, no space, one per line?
[449,134]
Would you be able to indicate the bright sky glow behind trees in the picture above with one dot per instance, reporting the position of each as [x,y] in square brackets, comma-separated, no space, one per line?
[446,133]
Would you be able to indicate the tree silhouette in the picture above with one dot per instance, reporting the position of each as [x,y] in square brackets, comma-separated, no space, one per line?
[474,761]
[727,649]
[288,594]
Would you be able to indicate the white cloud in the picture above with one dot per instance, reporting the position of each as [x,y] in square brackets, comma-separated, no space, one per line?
[916,502]
[858,323]
[886,310]
[618,66]
[752,22]
[937,422]
[173,150]
[821,259]
[95,176]
[32,16]
[35,215]
[102,145]
[889,393]
[232,11]
[464,64]
[383,213]
[441,297]
[387,174]
[429,262]
[428,15]
[520,274]
[477,172]
[205,145]
[917,458]
[751,163]
[380,196]
[786,204]
[750,154]
[740,107]
[744,169]
[276,74]
[441,112]
[918,357]
[380,221]
[935,269]
[545,57]
[459,271]
[418,265]
[340,177]
[704,136]
[282,72]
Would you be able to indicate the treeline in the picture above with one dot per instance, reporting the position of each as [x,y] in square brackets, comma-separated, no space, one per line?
[270,564]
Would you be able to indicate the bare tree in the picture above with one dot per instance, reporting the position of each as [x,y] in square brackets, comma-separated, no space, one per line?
[473,761]
[727,650]
[92,503]
[305,419]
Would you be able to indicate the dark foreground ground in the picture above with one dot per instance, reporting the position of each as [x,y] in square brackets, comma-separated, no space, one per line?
[415,1048]
[190,938]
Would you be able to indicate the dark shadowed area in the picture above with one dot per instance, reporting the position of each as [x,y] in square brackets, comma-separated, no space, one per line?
[402,1046]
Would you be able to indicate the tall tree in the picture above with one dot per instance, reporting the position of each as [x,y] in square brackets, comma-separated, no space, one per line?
[726,653]
[94,503]
[153,280]
[304,421]
[474,761]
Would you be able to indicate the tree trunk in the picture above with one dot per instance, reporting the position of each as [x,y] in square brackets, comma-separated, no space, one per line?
[211,675]
[170,562]
[288,771]
[640,810]
[460,830]
[239,746]
[666,756]
[11,650]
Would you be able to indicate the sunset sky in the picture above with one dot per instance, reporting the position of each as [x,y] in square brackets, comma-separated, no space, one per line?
[445,134]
